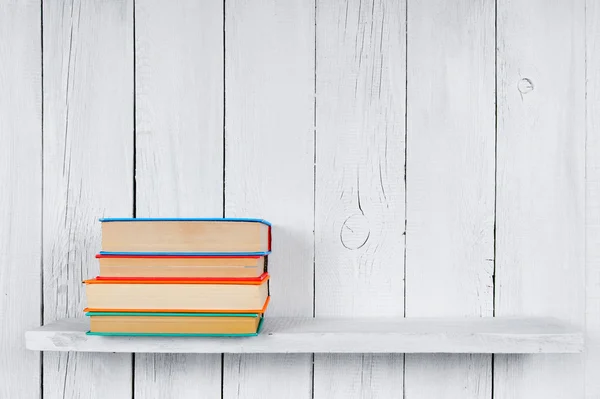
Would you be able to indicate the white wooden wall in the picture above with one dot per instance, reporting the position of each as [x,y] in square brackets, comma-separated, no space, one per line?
[417,158]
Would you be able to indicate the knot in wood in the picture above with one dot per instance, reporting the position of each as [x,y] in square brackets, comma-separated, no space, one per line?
[525,85]
[355,231]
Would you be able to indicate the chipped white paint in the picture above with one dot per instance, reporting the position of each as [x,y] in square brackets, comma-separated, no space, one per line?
[179,168]
[540,241]
[269,83]
[88,153]
[20,195]
[358,247]
[338,335]
[450,185]
[359,199]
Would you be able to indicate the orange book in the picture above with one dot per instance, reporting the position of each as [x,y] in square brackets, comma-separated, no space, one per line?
[193,266]
[221,295]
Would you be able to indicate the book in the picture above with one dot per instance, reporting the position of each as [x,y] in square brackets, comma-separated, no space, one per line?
[209,295]
[175,236]
[172,323]
[181,266]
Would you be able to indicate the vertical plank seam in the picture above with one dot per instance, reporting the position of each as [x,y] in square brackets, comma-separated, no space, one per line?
[134,211]
[493,359]
[224,103]
[223,156]
[222,375]
[495,151]
[42,192]
[314,159]
[312,383]
[405,179]
[585,179]
[405,142]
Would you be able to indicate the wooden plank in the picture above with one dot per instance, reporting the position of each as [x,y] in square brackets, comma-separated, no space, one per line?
[540,242]
[359,222]
[592,321]
[450,184]
[179,147]
[269,80]
[20,195]
[88,152]
[338,335]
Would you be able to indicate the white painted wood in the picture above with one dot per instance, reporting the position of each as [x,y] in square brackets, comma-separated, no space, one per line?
[179,147]
[337,335]
[20,195]
[592,278]
[540,242]
[269,80]
[361,375]
[450,184]
[88,151]
[359,220]
[88,70]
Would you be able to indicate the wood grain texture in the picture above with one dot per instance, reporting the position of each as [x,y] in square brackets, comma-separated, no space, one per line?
[359,219]
[269,80]
[20,194]
[88,152]
[179,147]
[592,278]
[450,184]
[540,243]
[380,336]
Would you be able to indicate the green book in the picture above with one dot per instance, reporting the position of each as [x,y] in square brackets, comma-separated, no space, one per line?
[174,324]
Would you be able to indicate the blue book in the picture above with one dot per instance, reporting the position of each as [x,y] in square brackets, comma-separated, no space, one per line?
[185,237]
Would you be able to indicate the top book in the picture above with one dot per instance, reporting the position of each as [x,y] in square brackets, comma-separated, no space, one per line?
[186,236]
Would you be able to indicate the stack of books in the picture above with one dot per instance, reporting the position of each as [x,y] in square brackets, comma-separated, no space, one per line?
[180,277]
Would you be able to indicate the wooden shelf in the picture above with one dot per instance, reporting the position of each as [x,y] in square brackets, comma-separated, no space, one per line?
[336,335]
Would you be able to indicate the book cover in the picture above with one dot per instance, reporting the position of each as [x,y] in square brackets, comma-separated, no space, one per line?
[194,311]
[165,253]
[179,280]
[182,254]
[129,334]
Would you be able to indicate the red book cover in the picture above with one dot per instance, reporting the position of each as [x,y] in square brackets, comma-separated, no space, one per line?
[180,280]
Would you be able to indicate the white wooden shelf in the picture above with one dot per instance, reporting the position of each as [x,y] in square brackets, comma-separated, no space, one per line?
[335,335]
